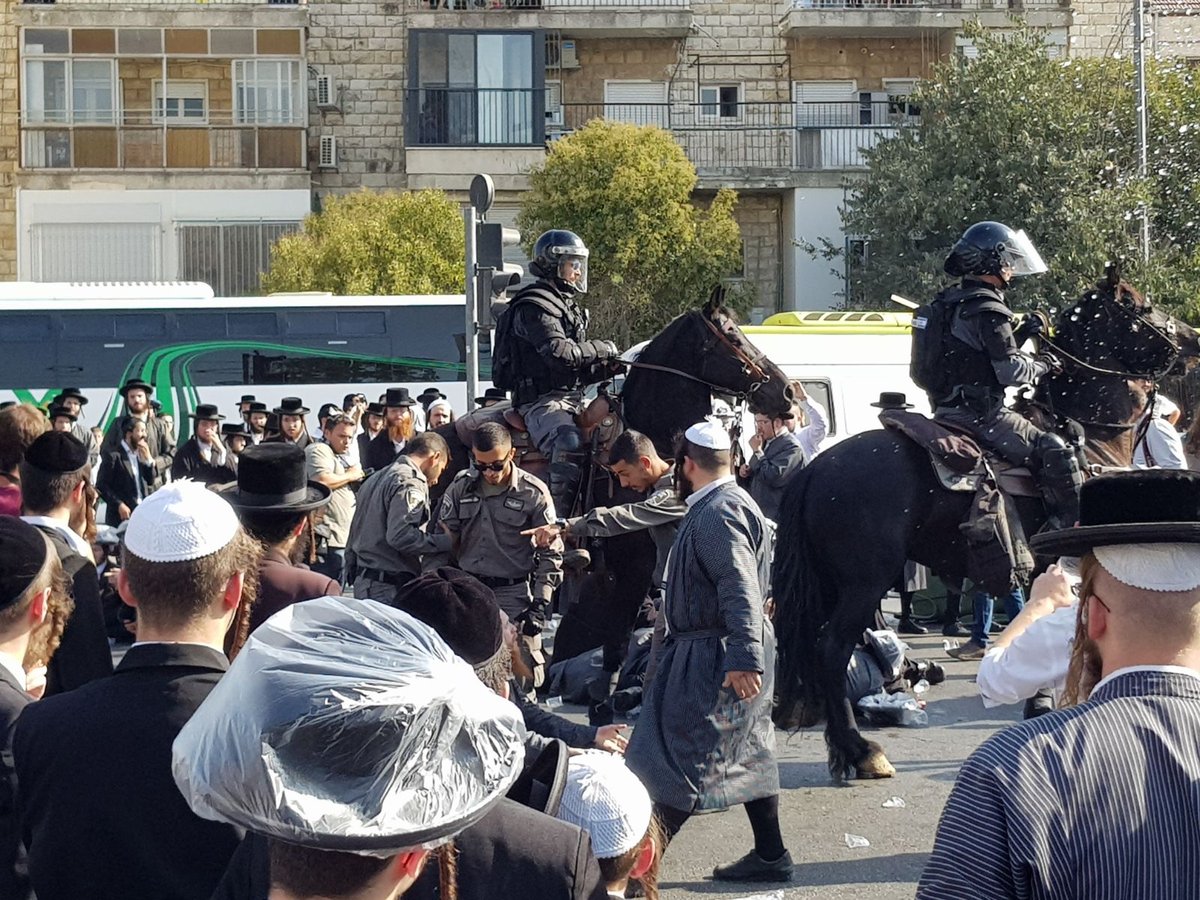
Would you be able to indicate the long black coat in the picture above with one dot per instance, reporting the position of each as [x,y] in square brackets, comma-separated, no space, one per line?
[83,655]
[511,852]
[190,464]
[14,870]
[115,483]
[381,452]
[101,815]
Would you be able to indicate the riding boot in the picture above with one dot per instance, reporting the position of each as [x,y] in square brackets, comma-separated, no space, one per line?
[1059,483]
[565,476]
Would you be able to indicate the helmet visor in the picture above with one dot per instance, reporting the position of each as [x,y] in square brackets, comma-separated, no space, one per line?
[572,270]
[1021,257]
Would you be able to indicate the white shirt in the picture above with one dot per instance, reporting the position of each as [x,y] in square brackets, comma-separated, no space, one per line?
[812,434]
[206,452]
[699,495]
[78,544]
[1037,658]
[1165,447]
[13,667]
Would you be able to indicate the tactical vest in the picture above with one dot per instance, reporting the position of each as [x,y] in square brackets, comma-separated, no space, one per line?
[967,374]
[517,365]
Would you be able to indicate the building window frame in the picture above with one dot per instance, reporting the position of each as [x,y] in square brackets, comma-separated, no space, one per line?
[181,92]
[36,113]
[720,103]
[279,81]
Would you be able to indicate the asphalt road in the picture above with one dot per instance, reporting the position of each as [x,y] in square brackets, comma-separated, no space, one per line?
[816,815]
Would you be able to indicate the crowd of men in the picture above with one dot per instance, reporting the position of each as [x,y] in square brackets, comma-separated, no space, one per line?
[330,686]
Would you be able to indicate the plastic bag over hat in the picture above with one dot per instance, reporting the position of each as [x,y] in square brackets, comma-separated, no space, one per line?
[348,725]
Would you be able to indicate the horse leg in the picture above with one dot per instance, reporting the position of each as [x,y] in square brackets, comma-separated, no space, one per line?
[848,749]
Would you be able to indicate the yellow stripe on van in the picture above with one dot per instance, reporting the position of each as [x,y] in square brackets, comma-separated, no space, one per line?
[834,322]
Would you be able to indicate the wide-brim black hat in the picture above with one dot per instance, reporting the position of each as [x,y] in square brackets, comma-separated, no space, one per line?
[492,394]
[398,397]
[271,478]
[57,410]
[206,412]
[256,406]
[71,393]
[291,406]
[247,398]
[135,384]
[892,400]
[234,429]
[1156,506]
[376,409]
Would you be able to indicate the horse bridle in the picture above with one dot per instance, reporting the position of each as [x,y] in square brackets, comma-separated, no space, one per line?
[750,366]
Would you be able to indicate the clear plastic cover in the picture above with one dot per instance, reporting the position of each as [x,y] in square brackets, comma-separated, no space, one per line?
[1022,257]
[347,725]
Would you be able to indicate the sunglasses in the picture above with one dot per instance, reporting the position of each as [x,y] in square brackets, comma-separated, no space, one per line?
[490,467]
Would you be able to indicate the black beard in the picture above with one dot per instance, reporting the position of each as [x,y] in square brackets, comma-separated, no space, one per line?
[683,487]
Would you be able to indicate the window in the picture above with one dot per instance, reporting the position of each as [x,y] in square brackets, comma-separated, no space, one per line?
[81,91]
[267,92]
[312,324]
[368,324]
[819,391]
[720,102]
[185,103]
[250,325]
[476,88]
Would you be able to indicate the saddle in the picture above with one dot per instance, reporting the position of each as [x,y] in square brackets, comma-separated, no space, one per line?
[599,423]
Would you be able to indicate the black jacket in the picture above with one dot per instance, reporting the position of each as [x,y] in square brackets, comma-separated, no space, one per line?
[14,868]
[160,439]
[551,350]
[190,464]
[543,726]
[101,815]
[115,482]
[83,655]
[512,852]
[381,452]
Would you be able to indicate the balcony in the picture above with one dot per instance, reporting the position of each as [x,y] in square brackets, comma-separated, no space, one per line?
[880,18]
[582,18]
[139,140]
[743,144]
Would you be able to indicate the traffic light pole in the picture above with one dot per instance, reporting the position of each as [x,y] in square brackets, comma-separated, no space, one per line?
[470,220]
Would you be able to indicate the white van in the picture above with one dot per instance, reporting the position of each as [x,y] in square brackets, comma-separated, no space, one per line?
[844,360]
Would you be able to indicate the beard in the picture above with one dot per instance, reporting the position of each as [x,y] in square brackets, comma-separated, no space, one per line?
[402,430]
[683,487]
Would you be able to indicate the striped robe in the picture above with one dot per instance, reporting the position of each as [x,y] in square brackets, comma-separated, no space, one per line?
[697,746]
[1099,801]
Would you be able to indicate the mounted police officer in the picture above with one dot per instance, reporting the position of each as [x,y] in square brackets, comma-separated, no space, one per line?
[981,356]
[544,357]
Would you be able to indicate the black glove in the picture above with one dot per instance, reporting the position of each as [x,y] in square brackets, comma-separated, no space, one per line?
[1052,363]
[604,349]
[1031,326]
[531,622]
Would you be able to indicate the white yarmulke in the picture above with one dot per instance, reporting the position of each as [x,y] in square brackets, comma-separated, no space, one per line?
[441,404]
[180,521]
[709,433]
[605,799]
[1153,567]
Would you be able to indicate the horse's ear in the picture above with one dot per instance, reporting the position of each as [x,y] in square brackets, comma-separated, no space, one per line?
[716,300]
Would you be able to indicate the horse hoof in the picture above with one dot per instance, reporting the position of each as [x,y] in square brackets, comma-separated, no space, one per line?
[874,765]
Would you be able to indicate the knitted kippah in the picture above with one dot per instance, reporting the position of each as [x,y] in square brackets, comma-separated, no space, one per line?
[180,521]
[57,452]
[605,799]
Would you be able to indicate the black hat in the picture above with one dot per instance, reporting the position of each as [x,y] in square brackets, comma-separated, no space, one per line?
[233,429]
[430,394]
[258,407]
[492,393]
[56,410]
[23,552]
[892,400]
[133,383]
[1157,506]
[67,393]
[57,452]
[291,406]
[8,404]
[328,409]
[459,607]
[271,479]
[376,409]
[206,412]
[398,397]
[246,398]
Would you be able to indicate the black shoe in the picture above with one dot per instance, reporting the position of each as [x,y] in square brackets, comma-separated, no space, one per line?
[600,714]
[753,867]
[955,629]
[909,626]
[625,700]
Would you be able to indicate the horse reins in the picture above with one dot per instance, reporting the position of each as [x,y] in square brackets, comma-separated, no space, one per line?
[750,366]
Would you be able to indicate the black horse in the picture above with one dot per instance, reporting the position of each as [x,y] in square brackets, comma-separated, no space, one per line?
[880,488]
[667,389]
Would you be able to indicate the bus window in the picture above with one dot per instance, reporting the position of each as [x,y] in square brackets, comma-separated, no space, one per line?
[193,326]
[362,323]
[820,391]
[252,324]
[312,323]
[84,326]
[141,325]
[26,328]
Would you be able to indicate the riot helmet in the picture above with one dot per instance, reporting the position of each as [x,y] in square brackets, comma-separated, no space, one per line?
[991,248]
[560,256]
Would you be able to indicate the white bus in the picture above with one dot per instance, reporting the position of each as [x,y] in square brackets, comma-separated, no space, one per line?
[197,348]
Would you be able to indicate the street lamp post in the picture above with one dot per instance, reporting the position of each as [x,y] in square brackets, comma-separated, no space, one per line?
[1143,113]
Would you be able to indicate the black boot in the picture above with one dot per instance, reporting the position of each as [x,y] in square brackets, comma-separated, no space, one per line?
[565,476]
[1060,480]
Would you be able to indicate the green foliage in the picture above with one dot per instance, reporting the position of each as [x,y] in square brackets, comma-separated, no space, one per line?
[369,243]
[627,191]
[1037,143]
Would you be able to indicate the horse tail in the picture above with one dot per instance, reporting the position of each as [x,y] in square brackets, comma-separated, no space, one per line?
[798,610]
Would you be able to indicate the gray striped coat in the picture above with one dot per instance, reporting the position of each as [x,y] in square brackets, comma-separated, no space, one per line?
[1099,801]
[697,746]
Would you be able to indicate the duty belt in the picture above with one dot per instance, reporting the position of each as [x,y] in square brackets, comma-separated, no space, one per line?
[494,583]
[396,579]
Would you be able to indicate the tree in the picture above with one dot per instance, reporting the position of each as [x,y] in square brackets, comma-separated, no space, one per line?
[1043,144]
[627,191]
[369,243]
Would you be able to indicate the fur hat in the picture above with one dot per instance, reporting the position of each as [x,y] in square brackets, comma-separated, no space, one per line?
[460,608]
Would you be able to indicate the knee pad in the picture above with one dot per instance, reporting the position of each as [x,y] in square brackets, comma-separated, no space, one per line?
[1048,441]
[567,439]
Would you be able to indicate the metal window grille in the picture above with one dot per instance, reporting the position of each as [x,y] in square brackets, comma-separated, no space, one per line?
[229,256]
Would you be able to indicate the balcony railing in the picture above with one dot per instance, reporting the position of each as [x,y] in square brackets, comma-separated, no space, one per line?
[568,5]
[900,5]
[169,2]
[144,140]
[718,137]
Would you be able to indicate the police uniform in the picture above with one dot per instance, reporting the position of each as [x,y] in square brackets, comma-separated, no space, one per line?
[488,524]
[387,535]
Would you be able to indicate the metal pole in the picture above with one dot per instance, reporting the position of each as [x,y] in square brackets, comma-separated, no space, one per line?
[472,311]
[1143,115]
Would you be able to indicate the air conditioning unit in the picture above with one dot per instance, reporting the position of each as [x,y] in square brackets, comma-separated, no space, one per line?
[568,58]
[326,92]
[327,157]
